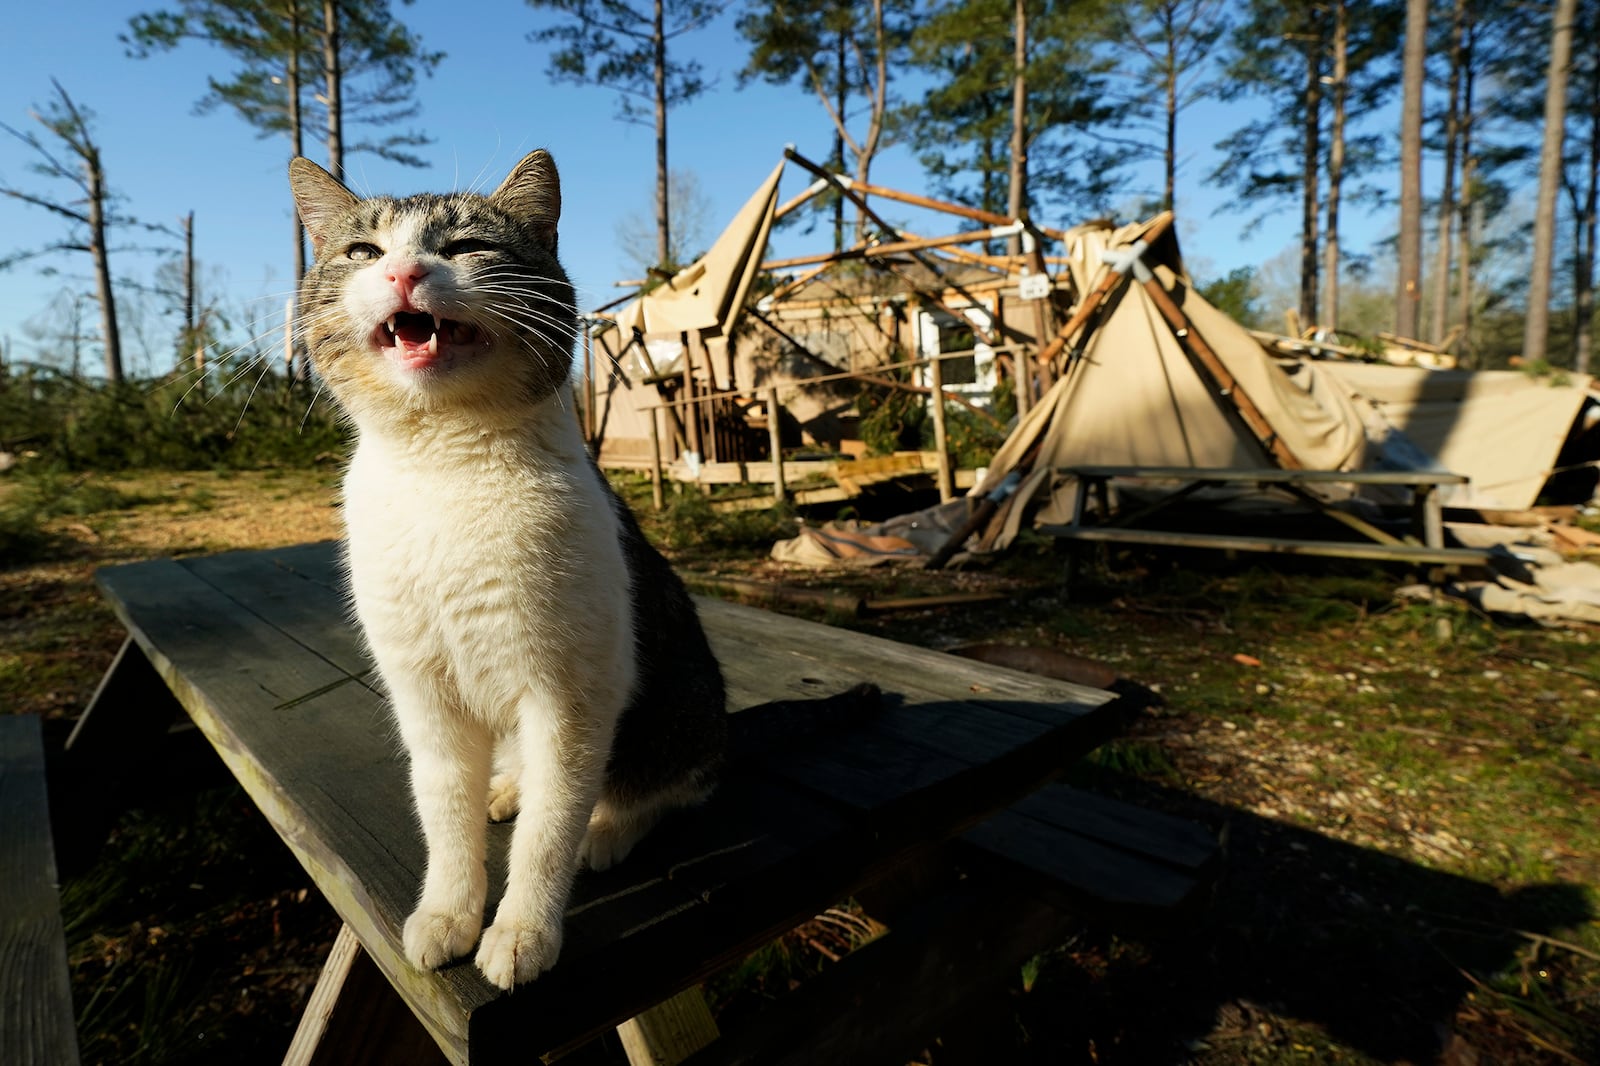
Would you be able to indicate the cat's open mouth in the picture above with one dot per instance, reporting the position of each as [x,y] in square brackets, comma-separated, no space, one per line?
[417,340]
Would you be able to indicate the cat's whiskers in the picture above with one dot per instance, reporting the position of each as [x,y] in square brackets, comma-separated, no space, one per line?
[249,366]
[513,301]
[315,396]
[529,318]
[532,326]
[214,360]
[265,370]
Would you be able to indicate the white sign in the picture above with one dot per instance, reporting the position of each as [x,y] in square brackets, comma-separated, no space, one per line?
[1034,286]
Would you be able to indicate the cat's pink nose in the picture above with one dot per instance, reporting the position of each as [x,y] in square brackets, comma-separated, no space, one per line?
[404,275]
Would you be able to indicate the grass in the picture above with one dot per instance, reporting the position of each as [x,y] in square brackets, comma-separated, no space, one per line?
[1409,794]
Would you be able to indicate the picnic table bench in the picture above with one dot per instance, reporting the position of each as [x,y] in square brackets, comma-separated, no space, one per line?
[257,649]
[35,994]
[1424,544]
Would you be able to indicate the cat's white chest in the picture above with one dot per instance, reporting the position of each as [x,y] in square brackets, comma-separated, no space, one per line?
[492,577]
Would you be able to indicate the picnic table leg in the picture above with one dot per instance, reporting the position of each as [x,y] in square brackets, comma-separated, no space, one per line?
[1080,501]
[131,705]
[355,1017]
[1429,510]
[669,1032]
[117,735]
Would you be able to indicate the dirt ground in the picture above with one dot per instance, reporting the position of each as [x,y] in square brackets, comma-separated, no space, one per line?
[1407,796]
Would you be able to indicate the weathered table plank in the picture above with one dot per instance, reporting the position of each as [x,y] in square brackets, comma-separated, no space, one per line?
[36,1018]
[258,649]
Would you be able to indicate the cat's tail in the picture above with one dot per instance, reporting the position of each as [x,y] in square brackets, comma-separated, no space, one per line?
[769,727]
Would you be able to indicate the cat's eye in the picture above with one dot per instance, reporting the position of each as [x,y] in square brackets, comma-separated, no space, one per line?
[363,251]
[466,246]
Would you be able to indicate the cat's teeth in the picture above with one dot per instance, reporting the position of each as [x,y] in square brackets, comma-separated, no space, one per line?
[390,324]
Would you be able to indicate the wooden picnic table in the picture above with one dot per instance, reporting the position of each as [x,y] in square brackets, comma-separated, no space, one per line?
[257,649]
[1424,543]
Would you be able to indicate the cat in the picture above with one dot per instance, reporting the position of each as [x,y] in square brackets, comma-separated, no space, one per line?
[541,658]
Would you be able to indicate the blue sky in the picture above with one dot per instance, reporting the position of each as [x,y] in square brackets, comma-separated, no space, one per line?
[489,102]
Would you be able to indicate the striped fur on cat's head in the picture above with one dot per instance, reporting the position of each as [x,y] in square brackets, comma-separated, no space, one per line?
[436,301]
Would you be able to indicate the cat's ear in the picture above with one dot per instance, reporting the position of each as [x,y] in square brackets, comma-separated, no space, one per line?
[533,194]
[319,197]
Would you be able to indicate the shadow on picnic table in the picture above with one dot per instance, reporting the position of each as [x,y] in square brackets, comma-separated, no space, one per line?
[1303,933]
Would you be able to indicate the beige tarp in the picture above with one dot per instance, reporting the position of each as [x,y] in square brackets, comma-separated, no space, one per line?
[710,292]
[1134,399]
[1501,428]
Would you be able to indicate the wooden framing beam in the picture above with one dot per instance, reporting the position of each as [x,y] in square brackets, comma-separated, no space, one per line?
[871,251]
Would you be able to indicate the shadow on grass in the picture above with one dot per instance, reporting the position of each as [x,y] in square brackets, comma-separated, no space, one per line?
[1305,941]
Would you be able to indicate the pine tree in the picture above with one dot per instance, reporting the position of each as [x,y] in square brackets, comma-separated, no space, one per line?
[1171,42]
[1535,337]
[619,46]
[965,130]
[87,209]
[366,59]
[1286,54]
[842,53]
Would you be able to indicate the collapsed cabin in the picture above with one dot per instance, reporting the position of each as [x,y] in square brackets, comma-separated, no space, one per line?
[1095,334]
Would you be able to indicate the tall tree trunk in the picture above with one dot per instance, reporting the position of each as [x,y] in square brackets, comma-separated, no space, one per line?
[1017,198]
[189,340]
[1330,263]
[1447,192]
[1408,284]
[1536,332]
[334,88]
[841,89]
[109,335]
[878,110]
[1583,268]
[291,86]
[1170,151]
[1312,185]
[1469,192]
[663,215]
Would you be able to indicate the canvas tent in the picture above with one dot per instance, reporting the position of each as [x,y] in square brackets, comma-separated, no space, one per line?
[709,294]
[1135,393]
[1504,429]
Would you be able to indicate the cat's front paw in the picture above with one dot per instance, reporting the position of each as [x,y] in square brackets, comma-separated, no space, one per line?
[606,844]
[513,953]
[434,937]
[504,798]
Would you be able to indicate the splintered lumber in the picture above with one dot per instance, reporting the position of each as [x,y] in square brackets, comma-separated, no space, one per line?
[931,264]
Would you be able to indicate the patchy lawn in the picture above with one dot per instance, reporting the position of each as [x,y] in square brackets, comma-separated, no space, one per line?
[1408,795]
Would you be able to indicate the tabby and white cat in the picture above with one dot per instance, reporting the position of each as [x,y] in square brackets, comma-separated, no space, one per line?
[540,656]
